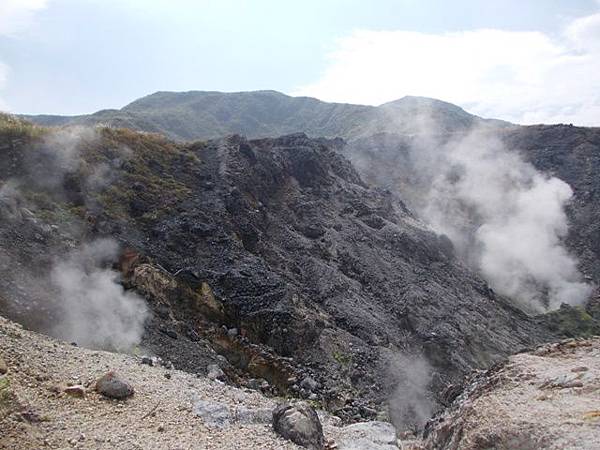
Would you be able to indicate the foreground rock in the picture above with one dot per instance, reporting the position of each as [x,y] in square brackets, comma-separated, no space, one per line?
[368,436]
[545,399]
[300,424]
[113,386]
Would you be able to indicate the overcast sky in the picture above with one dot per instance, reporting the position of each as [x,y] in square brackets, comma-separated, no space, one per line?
[527,61]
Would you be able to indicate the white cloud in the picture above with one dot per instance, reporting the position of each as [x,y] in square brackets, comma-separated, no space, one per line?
[16,15]
[3,76]
[525,77]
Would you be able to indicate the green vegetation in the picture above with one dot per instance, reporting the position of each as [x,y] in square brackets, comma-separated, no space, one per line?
[13,127]
[150,160]
[196,115]
[572,321]
[342,358]
[7,398]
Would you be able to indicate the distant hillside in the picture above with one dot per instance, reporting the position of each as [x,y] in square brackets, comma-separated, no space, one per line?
[205,115]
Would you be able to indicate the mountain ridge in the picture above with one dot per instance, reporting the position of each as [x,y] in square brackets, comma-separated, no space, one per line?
[197,115]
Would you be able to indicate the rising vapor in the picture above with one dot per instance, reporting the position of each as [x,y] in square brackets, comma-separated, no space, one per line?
[95,310]
[507,218]
[74,283]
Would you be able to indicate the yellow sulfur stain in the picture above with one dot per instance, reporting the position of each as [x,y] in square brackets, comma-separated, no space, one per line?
[592,415]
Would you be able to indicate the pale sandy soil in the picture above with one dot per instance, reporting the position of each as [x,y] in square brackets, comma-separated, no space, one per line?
[546,399]
[39,366]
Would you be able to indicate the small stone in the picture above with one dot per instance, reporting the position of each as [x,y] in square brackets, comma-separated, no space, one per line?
[161,428]
[215,373]
[3,367]
[310,384]
[172,334]
[168,375]
[113,386]
[232,332]
[147,360]
[579,369]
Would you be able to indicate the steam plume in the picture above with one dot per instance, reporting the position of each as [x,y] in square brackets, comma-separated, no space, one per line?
[507,218]
[411,404]
[95,309]
[76,288]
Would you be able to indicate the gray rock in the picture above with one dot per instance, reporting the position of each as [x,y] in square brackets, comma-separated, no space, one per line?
[310,384]
[147,360]
[300,424]
[257,384]
[113,386]
[368,436]
[253,416]
[232,332]
[213,414]
[215,373]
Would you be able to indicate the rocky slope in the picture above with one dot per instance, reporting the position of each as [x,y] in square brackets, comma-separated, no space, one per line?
[48,399]
[207,115]
[543,399]
[270,258]
[546,399]
[570,153]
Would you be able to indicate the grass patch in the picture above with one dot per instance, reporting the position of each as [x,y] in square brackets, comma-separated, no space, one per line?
[342,358]
[572,321]
[8,401]
[12,126]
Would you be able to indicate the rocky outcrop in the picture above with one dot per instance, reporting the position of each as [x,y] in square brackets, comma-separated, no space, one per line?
[272,254]
[544,399]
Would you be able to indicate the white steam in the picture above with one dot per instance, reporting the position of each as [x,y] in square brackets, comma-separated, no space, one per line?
[95,309]
[81,293]
[411,404]
[507,218]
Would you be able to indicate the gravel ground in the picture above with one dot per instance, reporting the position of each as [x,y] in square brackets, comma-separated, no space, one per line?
[35,413]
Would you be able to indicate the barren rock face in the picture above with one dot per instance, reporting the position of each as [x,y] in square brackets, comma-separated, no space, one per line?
[545,399]
[324,277]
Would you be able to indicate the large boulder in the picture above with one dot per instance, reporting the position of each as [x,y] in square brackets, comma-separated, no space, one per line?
[300,424]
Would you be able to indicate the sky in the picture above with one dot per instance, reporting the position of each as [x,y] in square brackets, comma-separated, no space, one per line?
[526,61]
